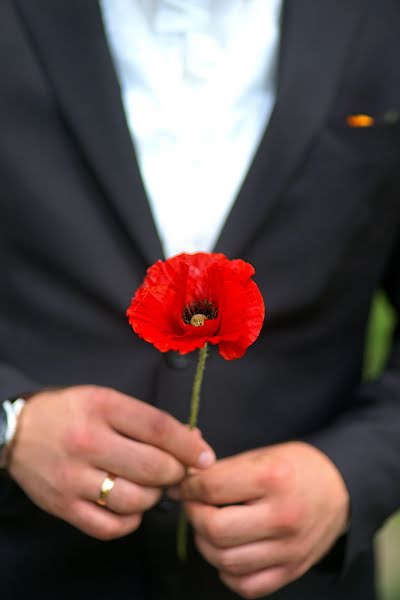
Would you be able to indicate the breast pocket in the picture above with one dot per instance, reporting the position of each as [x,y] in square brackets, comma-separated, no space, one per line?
[375,144]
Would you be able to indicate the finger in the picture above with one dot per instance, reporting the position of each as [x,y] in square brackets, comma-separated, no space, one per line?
[258,584]
[125,498]
[234,525]
[245,559]
[240,478]
[99,523]
[137,462]
[143,422]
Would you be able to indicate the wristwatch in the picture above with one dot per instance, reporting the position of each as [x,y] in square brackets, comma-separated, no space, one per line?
[9,413]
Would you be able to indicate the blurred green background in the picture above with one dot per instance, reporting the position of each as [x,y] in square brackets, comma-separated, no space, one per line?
[380,331]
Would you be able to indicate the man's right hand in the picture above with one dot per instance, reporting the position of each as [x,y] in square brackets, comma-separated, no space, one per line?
[69,440]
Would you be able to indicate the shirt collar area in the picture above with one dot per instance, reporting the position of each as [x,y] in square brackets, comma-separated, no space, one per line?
[184,16]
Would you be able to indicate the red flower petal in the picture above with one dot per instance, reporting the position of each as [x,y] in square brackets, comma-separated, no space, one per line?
[196,282]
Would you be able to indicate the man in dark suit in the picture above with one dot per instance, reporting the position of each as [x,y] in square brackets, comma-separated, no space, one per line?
[314,452]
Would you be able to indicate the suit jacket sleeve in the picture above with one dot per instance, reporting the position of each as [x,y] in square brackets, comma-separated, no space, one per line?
[365,443]
[14,383]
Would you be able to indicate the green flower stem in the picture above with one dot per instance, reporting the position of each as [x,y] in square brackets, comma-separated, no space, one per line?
[181,538]
[194,411]
[198,380]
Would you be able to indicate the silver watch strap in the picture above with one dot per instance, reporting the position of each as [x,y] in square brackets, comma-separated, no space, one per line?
[13,410]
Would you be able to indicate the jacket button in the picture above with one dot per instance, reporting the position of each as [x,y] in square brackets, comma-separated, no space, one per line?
[177,361]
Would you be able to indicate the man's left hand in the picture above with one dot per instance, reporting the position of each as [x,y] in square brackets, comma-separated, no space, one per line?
[264,517]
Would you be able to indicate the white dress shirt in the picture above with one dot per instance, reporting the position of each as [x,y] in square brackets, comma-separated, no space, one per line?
[198,85]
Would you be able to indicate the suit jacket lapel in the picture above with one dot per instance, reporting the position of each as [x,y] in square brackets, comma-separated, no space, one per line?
[316,39]
[71,45]
[69,38]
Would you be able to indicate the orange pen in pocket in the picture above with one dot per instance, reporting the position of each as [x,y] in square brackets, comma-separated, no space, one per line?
[360,121]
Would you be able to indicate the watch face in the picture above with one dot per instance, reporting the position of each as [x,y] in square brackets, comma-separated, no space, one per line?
[3,426]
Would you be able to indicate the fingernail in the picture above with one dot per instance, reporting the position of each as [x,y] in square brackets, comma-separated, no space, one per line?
[206,459]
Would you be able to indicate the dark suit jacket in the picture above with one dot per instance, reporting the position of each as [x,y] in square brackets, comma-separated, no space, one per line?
[319,218]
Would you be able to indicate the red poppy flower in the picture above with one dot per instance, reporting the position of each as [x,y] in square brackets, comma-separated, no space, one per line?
[192,299]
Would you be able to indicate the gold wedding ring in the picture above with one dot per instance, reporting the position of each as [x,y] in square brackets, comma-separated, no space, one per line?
[105,489]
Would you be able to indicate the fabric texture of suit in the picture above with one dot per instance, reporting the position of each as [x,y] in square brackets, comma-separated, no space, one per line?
[319,218]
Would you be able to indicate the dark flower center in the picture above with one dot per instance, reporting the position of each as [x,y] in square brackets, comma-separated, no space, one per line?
[196,313]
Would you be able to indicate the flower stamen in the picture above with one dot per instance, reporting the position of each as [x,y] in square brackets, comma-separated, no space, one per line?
[198,320]
[196,313]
